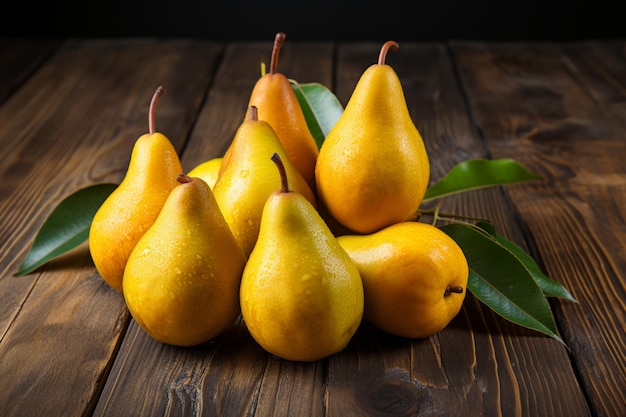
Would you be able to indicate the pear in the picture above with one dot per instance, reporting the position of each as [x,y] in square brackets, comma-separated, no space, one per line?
[208,170]
[278,105]
[301,295]
[181,282]
[248,177]
[372,169]
[414,277]
[134,205]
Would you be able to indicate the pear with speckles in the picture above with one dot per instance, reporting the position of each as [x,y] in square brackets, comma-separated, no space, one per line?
[248,177]
[301,294]
[181,282]
[373,169]
[134,205]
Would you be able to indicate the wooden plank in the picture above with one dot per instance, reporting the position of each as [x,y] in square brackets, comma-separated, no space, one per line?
[66,337]
[61,326]
[556,108]
[231,376]
[480,364]
[599,66]
[19,58]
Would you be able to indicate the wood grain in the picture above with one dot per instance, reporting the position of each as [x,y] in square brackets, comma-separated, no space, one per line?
[554,109]
[70,112]
[60,326]
[18,60]
[477,363]
[243,378]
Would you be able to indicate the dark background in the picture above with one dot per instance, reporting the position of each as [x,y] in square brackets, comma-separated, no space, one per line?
[422,20]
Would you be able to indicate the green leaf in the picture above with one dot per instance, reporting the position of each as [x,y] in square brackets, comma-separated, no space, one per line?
[550,287]
[501,282]
[320,106]
[66,227]
[479,173]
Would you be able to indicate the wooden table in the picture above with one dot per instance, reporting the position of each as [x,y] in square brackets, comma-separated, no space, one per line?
[71,110]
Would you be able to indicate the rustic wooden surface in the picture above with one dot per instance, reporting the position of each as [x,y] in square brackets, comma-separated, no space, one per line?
[71,110]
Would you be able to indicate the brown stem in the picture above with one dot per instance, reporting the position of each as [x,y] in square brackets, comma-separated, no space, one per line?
[278,43]
[284,184]
[253,113]
[387,46]
[155,98]
[184,179]
[453,289]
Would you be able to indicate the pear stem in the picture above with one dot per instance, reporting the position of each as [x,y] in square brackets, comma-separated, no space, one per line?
[284,184]
[184,179]
[253,113]
[278,43]
[155,98]
[387,46]
[453,289]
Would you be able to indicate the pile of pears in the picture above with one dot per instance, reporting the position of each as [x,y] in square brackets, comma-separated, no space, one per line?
[303,243]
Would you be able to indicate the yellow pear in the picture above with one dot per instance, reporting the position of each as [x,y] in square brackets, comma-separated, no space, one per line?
[301,294]
[134,205]
[372,169]
[248,177]
[414,277]
[207,170]
[278,105]
[181,282]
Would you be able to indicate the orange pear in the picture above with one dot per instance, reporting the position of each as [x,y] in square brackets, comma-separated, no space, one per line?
[278,105]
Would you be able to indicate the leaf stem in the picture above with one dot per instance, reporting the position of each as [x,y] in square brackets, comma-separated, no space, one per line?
[439,215]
